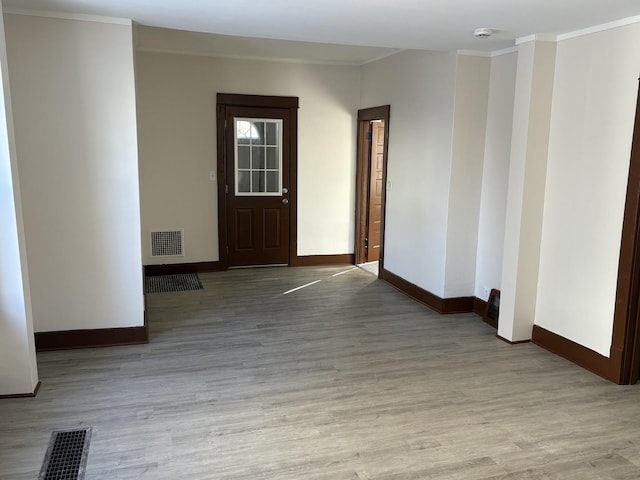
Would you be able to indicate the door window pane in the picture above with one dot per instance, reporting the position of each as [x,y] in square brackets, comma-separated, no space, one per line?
[272,157]
[272,182]
[271,134]
[244,157]
[244,181]
[258,157]
[257,133]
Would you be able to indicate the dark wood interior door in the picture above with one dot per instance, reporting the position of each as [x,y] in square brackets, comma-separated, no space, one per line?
[375,191]
[257,169]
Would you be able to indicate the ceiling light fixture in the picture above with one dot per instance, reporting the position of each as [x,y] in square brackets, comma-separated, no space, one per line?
[483,32]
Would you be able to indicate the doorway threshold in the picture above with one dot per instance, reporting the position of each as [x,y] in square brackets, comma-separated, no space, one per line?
[371,267]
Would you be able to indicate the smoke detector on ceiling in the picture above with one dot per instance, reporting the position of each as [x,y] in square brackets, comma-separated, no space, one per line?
[483,32]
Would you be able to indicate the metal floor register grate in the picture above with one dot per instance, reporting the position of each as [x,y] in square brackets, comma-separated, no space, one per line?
[66,457]
[172,283]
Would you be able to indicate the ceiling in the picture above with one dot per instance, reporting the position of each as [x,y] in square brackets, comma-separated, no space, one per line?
[387,25]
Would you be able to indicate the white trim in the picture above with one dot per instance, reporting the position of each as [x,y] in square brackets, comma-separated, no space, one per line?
[251,58]
[504,51]
[600,28]
[380,57]
[538,37]
[473,53]
[69,16]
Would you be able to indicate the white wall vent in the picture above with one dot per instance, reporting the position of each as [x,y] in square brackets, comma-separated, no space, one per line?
[167,243]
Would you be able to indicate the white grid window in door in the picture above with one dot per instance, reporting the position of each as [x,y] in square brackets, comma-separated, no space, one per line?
[258,156]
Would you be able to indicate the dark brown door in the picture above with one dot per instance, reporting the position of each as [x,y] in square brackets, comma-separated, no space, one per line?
[257,169]
[375,190]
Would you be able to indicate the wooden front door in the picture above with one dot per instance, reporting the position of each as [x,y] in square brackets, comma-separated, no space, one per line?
[258,197]
[375,190]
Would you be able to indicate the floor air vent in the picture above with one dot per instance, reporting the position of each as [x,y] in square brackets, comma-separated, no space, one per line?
[172,283]
[66,457]
[167,244]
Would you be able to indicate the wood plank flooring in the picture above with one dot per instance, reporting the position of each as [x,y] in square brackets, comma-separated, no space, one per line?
[345,379]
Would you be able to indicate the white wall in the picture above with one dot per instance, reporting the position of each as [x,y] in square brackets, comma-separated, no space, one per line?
[526,190]
[177,138]
[75,121]
[592,122]
[495,174]
[18,368]
[419,86]
[467,155]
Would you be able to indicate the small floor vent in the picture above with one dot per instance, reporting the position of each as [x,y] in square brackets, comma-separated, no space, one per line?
[172,283]
[167,244]
[66,457]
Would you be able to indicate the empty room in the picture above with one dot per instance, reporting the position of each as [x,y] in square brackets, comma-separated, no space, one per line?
[319,240]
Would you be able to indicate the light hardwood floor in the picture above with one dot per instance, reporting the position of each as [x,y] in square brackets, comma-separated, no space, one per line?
[345,379]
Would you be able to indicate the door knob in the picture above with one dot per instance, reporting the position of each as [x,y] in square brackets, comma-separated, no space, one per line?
[285,201]
[285,190]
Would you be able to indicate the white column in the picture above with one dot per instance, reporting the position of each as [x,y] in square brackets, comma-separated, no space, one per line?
[525,196]
[18,368]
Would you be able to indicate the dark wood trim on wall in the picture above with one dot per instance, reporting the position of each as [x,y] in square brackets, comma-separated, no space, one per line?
[263,101]
[624,365]
[572,351]
[100,337]
[22,395]
[293,185]
[177,268]
[320,260]
[479,306]
[457,305]
[222,175]
[434,302]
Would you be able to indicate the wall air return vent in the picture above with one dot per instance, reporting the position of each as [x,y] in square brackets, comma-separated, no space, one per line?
[167,243]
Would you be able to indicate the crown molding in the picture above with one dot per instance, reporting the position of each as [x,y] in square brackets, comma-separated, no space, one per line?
[538,37]
[246,57]
[600,28]
[504,51]
[68,16]
[473,53]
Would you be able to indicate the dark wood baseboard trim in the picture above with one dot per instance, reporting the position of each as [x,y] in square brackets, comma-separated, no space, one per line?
[322,260]
[479,306]
[572,351]
[434,302]
[519,342]
[177,268]
[99,337]
[22,395]
[457,305]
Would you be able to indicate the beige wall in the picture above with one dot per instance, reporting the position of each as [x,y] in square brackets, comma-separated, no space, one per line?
[177,140]
[495,174]
[420,87]
[75,122]
[18,367]
[467,156]
[592,119]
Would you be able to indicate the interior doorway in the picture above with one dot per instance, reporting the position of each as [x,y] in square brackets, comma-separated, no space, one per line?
[371,181]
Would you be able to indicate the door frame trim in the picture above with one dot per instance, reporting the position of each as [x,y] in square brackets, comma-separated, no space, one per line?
[624,356]
[362,178]
[224,100]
